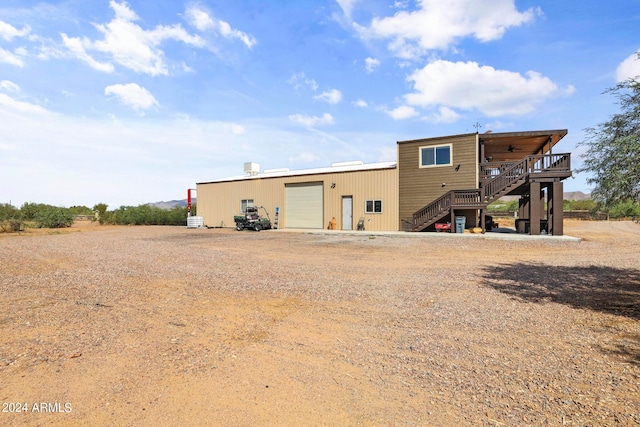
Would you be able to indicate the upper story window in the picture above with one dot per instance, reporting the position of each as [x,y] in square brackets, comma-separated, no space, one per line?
[435,155]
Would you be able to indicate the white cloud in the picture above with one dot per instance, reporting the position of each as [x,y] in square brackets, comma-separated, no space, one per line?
[300,79]
[497,125]
[403,112]
[629,68]
[235,129]
[9,86]
[361,103]
[203,21]
[77,47]
[132,96]
[467,85]
[371,64]
[20,106]
[333,96]
[10,58]
[9,32]
[129,45]
[445,115]
[13,104]
[347,6]
[438,25]
[312,121]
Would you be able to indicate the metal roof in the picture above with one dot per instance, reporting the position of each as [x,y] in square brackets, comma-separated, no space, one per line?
[346,167]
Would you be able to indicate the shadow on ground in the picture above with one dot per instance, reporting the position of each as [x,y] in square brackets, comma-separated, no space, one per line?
[605,289]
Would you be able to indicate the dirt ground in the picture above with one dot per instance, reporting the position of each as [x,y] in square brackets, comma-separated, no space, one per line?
[165,326]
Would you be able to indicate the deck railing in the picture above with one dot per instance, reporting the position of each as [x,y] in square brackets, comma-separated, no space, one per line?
[495,178]
[500,175]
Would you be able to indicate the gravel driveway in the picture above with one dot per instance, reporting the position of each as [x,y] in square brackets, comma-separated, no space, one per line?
[165,326]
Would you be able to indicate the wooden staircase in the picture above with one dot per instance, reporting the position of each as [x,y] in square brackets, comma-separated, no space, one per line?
[496,180]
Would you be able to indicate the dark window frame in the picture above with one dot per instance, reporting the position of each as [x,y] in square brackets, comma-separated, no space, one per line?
[373,206]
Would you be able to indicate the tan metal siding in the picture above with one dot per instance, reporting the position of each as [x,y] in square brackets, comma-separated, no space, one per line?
[419,186]
[218,202]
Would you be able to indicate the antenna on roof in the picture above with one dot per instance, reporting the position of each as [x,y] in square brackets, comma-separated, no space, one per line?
[477,125]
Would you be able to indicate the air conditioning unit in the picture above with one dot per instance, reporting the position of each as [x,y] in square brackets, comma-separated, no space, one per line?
[251,169]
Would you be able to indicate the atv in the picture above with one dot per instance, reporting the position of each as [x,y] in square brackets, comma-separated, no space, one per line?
[252,220]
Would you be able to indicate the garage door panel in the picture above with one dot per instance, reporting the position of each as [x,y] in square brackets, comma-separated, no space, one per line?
[304,205]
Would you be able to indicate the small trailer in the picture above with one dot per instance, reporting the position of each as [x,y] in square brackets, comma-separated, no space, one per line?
[252,220]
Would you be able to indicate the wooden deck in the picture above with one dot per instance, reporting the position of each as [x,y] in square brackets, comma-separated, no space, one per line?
[496,180]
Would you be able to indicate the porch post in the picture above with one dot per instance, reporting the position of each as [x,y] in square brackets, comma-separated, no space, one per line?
[556,215]
[534,208]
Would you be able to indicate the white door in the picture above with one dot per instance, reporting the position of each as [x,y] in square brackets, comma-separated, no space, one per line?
[304,206]
[347,213]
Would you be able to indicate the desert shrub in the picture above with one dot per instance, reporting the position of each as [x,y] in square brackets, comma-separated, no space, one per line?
[30,211]
[10,225]
[54,217]
[144,215]
[10,219]
[502,206]
[580,205]
[178,216]
[8,211]
[625,209]
[80,210]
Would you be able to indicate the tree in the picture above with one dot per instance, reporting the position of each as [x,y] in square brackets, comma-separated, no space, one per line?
[54,217]
[613,150]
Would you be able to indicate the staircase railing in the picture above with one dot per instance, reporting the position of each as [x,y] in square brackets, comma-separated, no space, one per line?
[495,177]
[499,176]
[443,204]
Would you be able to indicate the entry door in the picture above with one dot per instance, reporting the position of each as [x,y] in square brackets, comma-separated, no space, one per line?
[347,213]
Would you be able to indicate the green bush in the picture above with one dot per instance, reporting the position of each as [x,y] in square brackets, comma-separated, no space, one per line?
[30,211]
[7,211]
[80,210]
[502,206]
[10,219]
[54,217]
[625,209]
[144,215]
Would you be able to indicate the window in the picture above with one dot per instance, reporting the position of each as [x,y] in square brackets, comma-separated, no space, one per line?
[244,204]
[373,206]
[437,155]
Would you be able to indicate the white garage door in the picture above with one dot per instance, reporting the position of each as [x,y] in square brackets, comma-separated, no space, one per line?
[304,207]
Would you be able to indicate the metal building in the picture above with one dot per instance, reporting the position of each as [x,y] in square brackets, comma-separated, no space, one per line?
[434,180]
[346,193]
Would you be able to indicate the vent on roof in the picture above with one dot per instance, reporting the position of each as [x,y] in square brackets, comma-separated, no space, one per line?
[353,163]
[251,169]
[281,170]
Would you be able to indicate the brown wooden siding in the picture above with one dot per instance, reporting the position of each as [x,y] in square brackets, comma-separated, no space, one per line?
[218,202]
[419,186]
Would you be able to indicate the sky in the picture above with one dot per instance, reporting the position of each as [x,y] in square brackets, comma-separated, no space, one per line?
[130,102]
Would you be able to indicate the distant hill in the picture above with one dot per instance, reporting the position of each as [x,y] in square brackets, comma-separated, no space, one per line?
[576,195]
[172,203]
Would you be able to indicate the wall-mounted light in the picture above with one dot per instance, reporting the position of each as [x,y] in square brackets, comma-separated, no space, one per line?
[457,168]
[333,185]
[444,184]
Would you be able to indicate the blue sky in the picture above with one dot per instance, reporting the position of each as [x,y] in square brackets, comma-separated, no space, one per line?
[134,102]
